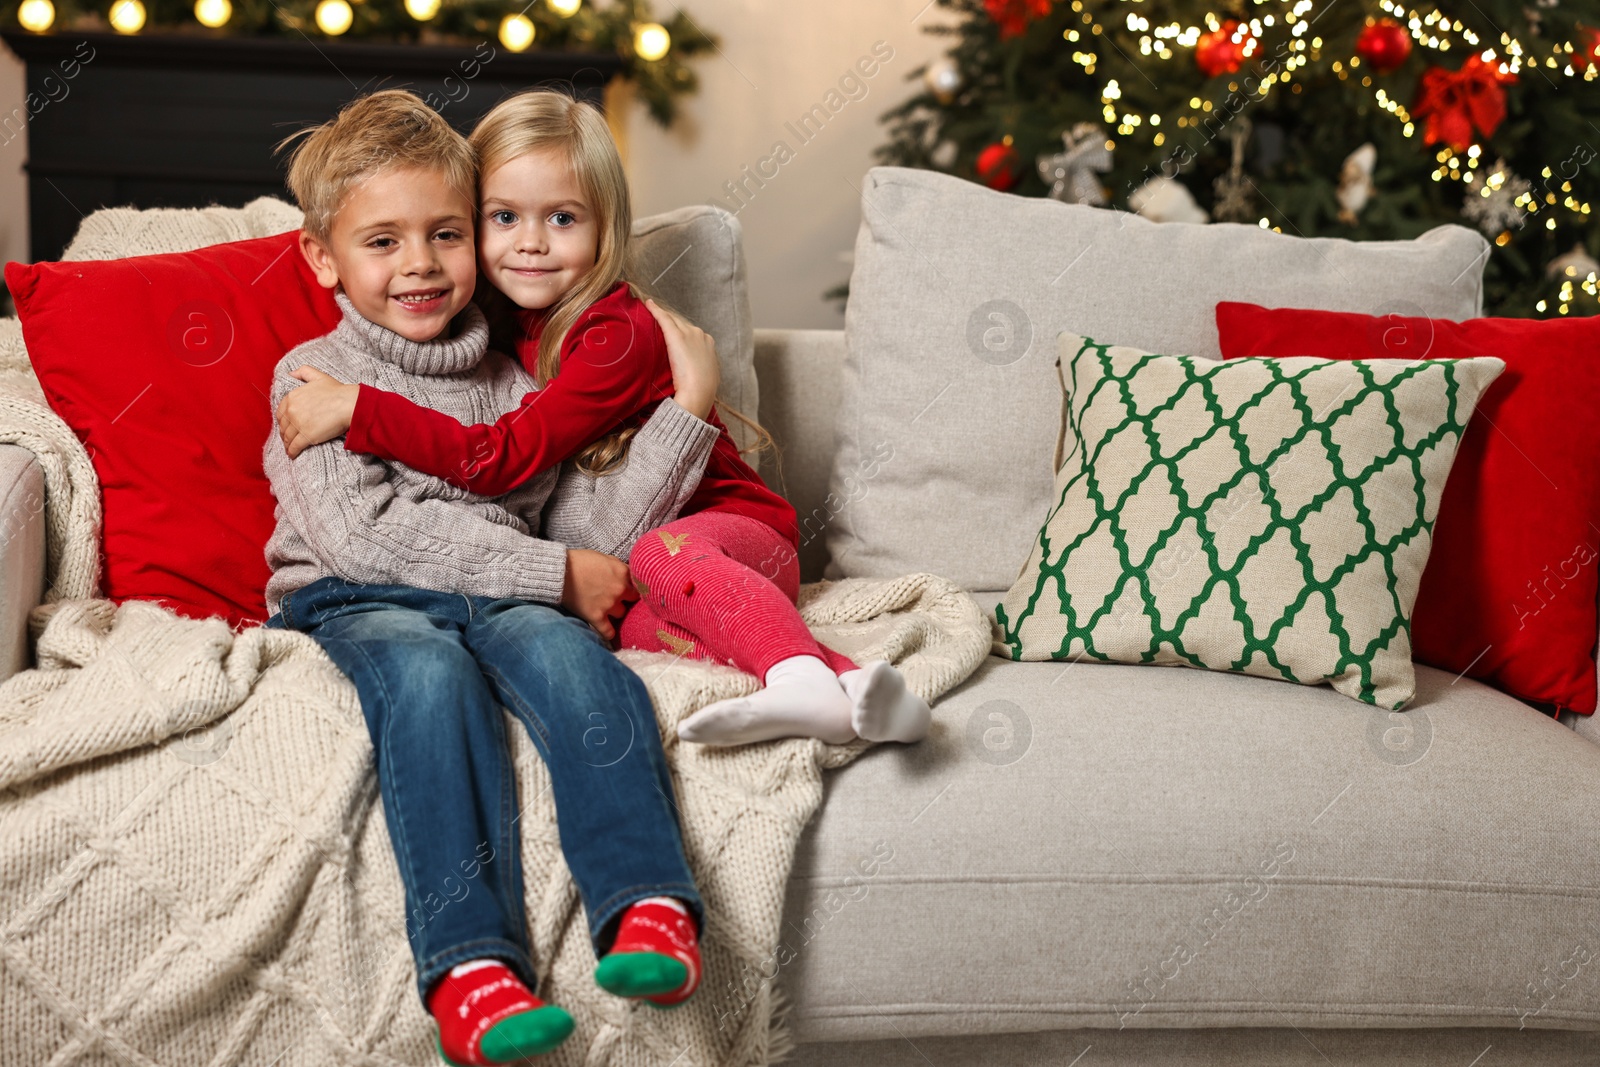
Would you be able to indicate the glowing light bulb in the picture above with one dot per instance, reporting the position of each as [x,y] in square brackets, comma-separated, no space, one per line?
[334,17]
[422,10]
[651,41]
[565,8]
[516,32]
[127,16]
[213,13]
[36,16]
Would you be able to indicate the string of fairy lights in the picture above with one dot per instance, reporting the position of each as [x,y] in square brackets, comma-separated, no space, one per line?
[1428,28]
[517,32]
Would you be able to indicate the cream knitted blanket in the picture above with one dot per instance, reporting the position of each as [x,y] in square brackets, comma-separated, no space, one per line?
[194,866]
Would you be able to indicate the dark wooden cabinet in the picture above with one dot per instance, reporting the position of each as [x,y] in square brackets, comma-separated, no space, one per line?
[178,120]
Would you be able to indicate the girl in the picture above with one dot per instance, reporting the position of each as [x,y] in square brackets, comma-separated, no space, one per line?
[718,583]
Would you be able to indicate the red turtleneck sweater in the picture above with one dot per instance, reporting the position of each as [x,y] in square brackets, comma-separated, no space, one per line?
[613,373]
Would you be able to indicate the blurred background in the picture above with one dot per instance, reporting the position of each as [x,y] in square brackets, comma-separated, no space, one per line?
[772,63]
[1362,119]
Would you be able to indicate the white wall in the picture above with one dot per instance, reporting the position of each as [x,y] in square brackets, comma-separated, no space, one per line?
[777,60]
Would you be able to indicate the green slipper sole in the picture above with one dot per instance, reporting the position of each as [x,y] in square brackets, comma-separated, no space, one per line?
[530,1033]
[640,974]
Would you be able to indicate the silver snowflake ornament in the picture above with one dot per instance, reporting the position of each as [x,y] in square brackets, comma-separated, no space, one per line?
[1491,199]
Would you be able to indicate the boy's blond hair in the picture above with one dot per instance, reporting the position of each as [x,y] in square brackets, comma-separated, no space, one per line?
[391,128]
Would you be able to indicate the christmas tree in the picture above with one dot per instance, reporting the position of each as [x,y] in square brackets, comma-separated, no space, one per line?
[1367,119]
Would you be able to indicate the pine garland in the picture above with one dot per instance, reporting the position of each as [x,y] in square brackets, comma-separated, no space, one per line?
[660,82]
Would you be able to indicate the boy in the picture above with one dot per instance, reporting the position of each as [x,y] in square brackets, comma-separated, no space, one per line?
[423,594]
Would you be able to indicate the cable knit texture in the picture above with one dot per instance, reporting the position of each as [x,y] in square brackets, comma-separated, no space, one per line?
[196,864]
[366,520]
[72,515]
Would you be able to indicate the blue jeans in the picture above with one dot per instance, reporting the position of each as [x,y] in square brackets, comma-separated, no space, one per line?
[433,670]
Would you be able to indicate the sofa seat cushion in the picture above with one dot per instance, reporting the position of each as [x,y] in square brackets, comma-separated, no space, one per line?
[1094,845]
[1234,1047]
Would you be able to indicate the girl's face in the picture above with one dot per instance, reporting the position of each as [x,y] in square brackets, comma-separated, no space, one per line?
[537,234]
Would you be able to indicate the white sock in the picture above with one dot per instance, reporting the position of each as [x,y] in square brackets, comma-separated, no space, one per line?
[883,708]
[802,698]
[670,902]
[472,965]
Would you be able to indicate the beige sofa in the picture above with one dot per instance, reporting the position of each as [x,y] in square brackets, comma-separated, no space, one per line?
[1141,865]
[1089,864]
[1085,872]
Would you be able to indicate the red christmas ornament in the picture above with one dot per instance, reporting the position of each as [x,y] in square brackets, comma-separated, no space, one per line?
[1457,102]
[997,166]
[1586,49]
[1384,45]
[1218,53]
[1014,15]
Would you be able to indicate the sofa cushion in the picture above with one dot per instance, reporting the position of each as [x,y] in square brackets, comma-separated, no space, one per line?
[161,366]
[1509,592]
[800,394]
[692,259]
[1281,1046]
[957,296]
[1094,845]
[1269,516]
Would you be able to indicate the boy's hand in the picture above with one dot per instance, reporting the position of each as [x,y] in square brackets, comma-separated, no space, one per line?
[316,412]
[696,374]
[598,589]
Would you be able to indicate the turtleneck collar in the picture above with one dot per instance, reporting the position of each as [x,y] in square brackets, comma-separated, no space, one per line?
[461,351]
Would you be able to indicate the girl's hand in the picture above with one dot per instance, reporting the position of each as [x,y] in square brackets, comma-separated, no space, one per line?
[696,374]
[597,590]
[316,412]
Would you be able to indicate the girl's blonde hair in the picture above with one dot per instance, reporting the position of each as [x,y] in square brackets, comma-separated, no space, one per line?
[543,119]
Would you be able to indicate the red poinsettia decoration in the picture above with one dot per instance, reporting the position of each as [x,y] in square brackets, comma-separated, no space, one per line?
[1014,15]
[1454,103]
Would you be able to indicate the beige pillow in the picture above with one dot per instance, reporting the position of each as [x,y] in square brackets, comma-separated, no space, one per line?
[956,299]
[1267,516]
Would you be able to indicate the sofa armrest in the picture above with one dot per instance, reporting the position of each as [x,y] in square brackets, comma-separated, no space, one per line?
[1583,725]
[22,547]
[801,383]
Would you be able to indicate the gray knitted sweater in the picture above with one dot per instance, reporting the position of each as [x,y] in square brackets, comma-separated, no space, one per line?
[375,522]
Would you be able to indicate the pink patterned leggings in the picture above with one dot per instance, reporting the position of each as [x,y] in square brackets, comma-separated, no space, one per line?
[719,586]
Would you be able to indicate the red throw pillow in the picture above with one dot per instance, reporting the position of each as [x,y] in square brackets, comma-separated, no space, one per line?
[162,366]
[1508,595]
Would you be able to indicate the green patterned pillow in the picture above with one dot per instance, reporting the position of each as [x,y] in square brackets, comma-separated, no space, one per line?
[1269,516]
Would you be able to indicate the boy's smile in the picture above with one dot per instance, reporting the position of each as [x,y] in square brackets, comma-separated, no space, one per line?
[401,247]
